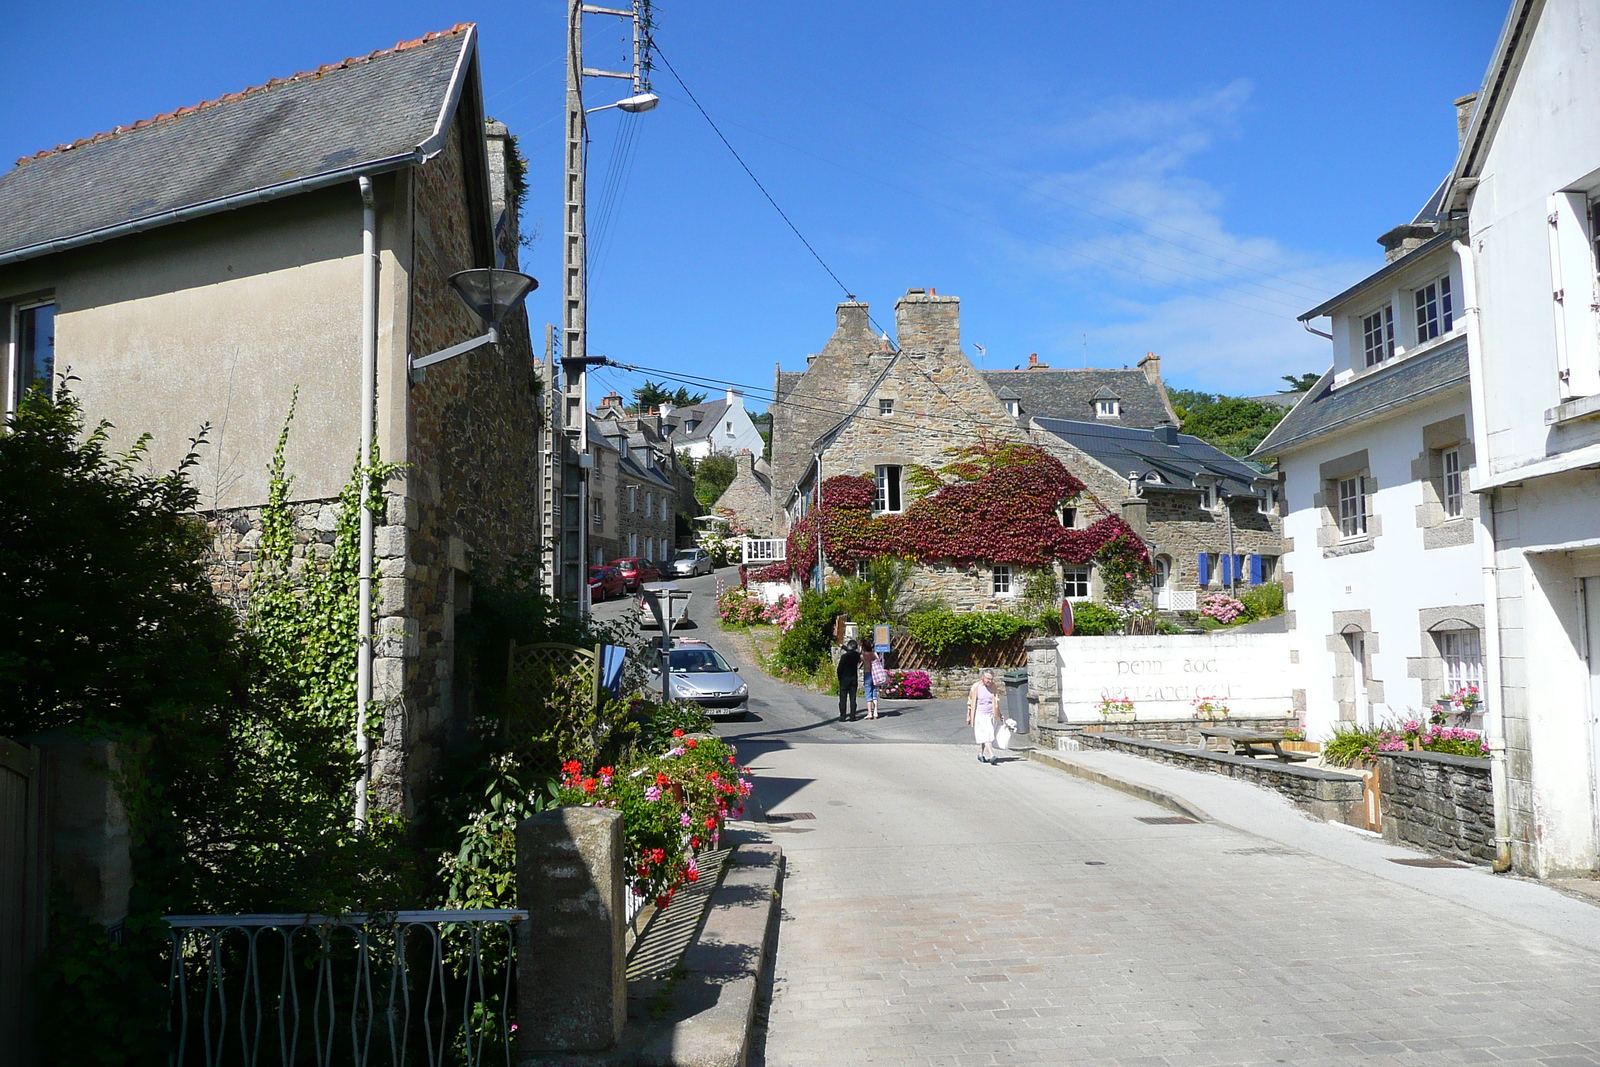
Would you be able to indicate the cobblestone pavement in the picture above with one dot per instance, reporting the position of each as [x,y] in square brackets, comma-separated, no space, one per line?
[938,911]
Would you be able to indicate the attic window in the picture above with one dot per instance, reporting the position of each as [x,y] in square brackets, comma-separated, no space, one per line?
[1108,409]
[886,406]
[1013,408]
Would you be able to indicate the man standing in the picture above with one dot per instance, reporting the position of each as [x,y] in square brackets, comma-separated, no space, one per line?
[848,668]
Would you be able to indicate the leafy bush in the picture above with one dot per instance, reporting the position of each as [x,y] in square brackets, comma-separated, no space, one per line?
[1263,601]
[1094,620]
[1222,607]
[739,607]
[784,612]
[1352,744]
[806,645]
[908,685]
[938,630]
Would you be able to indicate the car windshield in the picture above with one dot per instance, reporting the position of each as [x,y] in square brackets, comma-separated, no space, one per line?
[685,555]
[699,661]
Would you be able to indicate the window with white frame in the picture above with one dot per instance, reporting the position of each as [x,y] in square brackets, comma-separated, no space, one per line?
[1462,652]
[1269,500]
[730,429]
[887,498]
[1013,408]
[1269,569]
[1208,497]
[1450,465]
[1075,583]
[885,406]
[1435,309]
[1377,335]
[1068,514]
[649,505]
[1001,583]
[633,544]
[1353,506]
[33,349]
[1107,409]
[633,498]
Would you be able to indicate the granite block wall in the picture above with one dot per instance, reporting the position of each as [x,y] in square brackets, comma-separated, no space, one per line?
[1438,802]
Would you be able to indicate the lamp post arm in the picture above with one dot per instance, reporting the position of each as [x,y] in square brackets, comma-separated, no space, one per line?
[416,364]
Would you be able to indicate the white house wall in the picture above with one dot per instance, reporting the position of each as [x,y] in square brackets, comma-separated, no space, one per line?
[1393,582]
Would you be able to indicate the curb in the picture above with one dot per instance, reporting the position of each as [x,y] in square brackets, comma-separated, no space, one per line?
[1122,785]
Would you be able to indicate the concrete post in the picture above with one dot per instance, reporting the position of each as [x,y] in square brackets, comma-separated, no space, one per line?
[1044,681]
[571,987]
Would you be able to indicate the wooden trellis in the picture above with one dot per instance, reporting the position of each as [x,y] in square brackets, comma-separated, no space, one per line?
[531,670]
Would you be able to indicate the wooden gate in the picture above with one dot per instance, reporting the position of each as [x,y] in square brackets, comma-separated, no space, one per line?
[21,902]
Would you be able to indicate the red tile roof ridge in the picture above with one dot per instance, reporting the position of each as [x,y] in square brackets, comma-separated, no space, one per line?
[228,98]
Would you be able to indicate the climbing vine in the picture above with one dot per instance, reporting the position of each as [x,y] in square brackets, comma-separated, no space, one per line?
[993,503]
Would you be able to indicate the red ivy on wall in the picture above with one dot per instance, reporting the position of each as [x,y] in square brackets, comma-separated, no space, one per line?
[1001,508]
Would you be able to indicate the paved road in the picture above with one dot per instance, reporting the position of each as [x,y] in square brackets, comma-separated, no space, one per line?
[939,911]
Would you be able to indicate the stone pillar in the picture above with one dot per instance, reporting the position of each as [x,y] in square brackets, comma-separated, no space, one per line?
[1044,681]
[571,987]
[1135,512]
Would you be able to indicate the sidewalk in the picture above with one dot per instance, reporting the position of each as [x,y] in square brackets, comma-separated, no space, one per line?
[1213,798]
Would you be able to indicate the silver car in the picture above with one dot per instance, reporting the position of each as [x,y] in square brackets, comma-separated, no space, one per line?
[700,674]
[690,562]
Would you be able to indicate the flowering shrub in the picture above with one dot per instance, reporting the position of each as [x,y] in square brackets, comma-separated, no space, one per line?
[673,805]
[908,685]
[739,607]
[1222,607]
[1210,708]
[1462,703]
[785,613]
[1294,733]
[1110,706]
[1351,744]
[772,572]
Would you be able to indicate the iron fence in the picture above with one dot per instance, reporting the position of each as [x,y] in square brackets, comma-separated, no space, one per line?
[395,988]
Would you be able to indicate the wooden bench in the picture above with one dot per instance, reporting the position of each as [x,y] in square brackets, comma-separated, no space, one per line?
[1248,742]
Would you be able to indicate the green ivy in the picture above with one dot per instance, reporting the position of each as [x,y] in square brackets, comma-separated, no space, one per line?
[937,630]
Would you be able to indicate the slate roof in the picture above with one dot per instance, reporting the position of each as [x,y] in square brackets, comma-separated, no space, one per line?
[1175,457]
[705,416]
[1325,410]
[361,116]
[1070,394]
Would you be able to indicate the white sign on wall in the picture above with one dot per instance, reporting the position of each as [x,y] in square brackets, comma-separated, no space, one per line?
[1164,674]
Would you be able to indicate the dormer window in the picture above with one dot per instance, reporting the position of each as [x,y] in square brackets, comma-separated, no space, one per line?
[1435,309]
[1208,497]
[1377,335]
[1013,408]
[1108,409]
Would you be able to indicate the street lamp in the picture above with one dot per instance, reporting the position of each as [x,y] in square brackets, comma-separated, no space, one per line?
[663,598]
[633,105]
[489,293]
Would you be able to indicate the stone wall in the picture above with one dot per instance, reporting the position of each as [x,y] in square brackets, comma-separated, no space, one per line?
[1044,683]
[236,544]
[1176,731]
[1438,802]
[749,497]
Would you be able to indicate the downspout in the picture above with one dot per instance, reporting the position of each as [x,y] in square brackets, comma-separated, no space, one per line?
[1493,716]
[821,561]
[369,376]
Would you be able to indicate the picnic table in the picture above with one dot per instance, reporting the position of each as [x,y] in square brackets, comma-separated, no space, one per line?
[1249,742]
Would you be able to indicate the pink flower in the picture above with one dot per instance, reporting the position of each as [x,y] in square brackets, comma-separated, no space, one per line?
[684,820]
[653,793]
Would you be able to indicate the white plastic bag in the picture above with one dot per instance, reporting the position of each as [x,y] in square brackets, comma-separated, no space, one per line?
[1002,733]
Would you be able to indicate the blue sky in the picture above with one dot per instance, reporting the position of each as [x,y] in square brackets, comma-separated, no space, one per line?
[1092,184]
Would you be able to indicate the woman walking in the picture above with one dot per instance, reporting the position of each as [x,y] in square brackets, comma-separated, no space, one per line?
[983,715]
[873,676]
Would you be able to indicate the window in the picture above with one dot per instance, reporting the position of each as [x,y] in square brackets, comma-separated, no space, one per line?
[887,497]
[622,447]
[885,407]
[1377,335]
[33,349]
[633,544]
[1002,580]
[1463,659]
[1269,500]
[649,505]
[1013,408]
[1075,583]
[1435,314]
[1353,507]
[1107,409]
[594,509]
[1450,463]
[1208,498]
[730,429]
[633,498]
[1069,516]
[1268,569]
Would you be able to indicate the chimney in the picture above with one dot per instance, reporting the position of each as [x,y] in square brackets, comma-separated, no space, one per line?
[1405,239]
[506,186]
[1151,365]
[1034,364]
[1165,433]
[612,400]
[735,398]
[928,324]
[1464,107]
[851,315]
[666,409]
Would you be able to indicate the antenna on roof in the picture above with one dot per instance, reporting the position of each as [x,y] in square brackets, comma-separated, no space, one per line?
[982,352]
[1085,351]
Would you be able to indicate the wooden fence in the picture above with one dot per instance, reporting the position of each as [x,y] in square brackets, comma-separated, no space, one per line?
[906,655]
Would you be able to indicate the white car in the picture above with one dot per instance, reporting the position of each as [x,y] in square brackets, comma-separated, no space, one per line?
[701,675]
[690,562]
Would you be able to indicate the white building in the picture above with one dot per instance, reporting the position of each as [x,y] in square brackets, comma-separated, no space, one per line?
[716,426]
[1527,187]
[1382,559]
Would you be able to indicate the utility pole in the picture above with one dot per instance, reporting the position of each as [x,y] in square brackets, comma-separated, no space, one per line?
[575,359]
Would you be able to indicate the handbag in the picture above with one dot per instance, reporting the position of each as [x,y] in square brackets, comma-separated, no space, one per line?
[880,676]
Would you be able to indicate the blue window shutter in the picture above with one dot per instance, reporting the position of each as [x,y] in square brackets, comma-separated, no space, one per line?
[1205,570]
[1255,569]
[1224,565]
[1238,568]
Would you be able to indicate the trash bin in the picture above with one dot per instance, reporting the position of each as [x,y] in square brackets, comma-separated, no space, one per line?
[1017,698]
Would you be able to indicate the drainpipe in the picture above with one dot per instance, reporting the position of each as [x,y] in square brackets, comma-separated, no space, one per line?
[369,375]
[1493,701]
[820,560]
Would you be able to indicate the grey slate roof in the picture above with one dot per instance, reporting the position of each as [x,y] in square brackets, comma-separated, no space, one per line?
[1324,410]
[1175,457]
[1383,273]
[364,115]
[705,417]
[1070,394]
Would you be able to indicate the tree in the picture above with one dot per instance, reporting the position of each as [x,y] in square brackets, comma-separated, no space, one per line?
[1187,402]
[1234,424]
[656,395]
[712,476]
[1299,383]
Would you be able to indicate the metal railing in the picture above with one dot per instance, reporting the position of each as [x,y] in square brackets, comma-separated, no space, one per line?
[765,550]
[395,988]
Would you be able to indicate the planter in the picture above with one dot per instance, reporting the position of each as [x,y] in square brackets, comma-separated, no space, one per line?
[1118,716]
[1301,746]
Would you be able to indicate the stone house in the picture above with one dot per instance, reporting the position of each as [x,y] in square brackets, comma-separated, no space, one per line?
[749,495]
[866,407]
[205,267]
[633,501]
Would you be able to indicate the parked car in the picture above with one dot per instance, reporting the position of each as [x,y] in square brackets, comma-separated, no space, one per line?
[637,570]
[605,582]
[700,674]
[690,562]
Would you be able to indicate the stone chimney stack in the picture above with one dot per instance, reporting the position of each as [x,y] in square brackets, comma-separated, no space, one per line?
[1404,239]
[505,192]
[1464,107]
[612,400]
[1151,365]
[1034,364]
[928,324]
